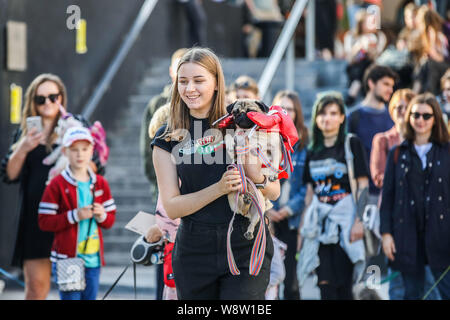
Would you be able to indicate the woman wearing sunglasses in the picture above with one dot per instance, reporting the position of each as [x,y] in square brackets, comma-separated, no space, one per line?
[415,214]
[23,164]
[381,144]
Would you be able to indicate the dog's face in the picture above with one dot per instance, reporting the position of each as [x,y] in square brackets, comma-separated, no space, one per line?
[240,108]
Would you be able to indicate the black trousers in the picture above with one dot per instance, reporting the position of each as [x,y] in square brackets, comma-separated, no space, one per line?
[196,16]
[201,268]
[288,236]
[270,32]
[335,273]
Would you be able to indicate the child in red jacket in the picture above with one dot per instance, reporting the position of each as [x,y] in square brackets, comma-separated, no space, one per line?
[75,205]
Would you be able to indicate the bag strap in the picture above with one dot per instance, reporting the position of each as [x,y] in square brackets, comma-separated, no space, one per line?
[90,220]
[350,165]
[396,153]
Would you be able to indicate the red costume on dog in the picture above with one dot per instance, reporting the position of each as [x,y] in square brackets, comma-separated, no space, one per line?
[276,120]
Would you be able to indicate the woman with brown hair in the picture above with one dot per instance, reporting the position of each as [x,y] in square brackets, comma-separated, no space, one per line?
[415,216]
[362,46]
[430,49]
[288,208]
[193,180]
[331,229]
[23,164]
[382,142]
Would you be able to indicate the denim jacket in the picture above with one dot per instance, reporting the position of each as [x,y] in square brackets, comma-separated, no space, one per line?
[297,192]
[321,224]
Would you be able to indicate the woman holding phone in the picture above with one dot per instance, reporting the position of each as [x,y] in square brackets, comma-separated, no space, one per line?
[23,164]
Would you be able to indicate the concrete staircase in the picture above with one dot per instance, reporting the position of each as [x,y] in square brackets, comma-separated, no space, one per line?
[310,78]
[125,174]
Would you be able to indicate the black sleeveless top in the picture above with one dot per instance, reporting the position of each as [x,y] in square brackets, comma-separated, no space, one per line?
[201,160]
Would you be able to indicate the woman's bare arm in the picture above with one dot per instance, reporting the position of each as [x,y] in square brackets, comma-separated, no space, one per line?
[17,159]
[177,205]
[308,200]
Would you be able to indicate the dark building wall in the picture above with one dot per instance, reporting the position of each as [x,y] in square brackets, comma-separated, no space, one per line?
[51,48]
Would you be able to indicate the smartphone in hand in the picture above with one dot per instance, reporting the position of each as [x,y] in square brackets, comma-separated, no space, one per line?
[34,122]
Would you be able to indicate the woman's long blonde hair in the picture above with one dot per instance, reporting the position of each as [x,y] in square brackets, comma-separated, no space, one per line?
[179,112]
[30,108]
[427,19]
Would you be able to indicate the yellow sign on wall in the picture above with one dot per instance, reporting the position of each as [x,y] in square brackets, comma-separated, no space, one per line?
[16,103]
[81,47]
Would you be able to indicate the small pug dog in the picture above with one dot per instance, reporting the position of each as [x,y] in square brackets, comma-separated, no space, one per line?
[269,145]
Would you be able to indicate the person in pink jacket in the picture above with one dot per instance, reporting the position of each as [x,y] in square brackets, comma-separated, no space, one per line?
[383,141]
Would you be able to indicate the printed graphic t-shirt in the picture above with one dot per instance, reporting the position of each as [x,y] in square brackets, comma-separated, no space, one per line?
[91,256]
[200,162]
[327,170]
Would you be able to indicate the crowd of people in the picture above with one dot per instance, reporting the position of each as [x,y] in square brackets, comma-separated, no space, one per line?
[390,152]
[373,126]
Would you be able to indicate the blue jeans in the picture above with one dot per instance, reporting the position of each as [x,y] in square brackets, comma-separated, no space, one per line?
[92,276]
[444,284]
[416,286]
[397,289]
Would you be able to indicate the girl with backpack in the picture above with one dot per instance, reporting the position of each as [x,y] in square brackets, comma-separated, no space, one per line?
[331,234]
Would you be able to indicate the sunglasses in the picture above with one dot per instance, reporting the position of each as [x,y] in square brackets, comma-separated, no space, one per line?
[425,116]
[244,85]
[288,109]
[39,100]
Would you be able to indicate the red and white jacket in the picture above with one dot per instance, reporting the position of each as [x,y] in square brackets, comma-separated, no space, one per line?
[58,212]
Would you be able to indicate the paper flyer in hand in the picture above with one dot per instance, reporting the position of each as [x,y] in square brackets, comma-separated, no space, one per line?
[141,222]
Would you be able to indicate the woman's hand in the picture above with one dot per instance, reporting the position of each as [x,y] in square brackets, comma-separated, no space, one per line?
[17,159]
[277,215]
[273,215]
[357,232]
[252,167]
[299,241]
[31,140]
[230,181]
[388,246]
[154,234]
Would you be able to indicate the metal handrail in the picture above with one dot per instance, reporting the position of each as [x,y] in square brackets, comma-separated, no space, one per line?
[280,46]
[104,83]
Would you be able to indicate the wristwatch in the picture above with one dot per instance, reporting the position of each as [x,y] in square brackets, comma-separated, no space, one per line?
[261,185]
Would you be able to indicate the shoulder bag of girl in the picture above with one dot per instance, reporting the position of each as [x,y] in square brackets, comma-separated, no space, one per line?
[369,214]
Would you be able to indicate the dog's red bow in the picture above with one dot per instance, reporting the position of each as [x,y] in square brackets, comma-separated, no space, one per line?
[276,120]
